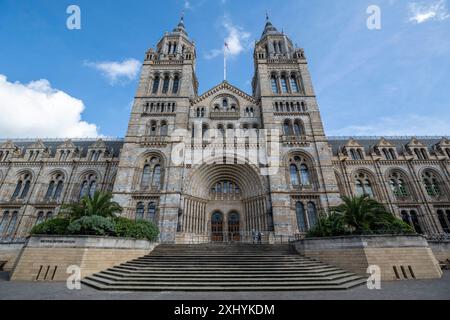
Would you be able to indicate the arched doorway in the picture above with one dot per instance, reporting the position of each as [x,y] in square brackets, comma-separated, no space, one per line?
[217,227]
[234,227]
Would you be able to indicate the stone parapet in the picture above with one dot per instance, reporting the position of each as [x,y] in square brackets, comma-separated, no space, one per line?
[47,258]
[399,257]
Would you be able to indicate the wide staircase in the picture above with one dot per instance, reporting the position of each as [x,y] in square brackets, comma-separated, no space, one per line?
[223,268]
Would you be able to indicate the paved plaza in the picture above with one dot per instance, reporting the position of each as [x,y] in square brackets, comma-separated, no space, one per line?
[403,290]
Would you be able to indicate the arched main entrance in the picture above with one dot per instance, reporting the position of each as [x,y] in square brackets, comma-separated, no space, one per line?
[217,227]
[234,227]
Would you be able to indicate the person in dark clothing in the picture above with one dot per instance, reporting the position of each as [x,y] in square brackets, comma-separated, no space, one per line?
[260,237]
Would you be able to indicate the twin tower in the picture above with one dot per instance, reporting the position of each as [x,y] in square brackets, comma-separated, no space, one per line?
[274,161]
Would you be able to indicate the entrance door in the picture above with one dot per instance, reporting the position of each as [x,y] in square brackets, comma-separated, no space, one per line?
[234,227]
[217,227]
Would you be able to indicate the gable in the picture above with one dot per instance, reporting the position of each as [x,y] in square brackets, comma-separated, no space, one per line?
[224,89]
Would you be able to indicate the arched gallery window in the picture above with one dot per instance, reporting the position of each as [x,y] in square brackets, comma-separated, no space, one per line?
[398,185]
[151,174]
[22,187]
[88,186]
[156,82]
[300,172]
[176,84]
[55,188]
[431,183]
[363,185]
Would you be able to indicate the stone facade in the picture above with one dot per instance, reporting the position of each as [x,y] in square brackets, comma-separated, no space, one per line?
[276,172]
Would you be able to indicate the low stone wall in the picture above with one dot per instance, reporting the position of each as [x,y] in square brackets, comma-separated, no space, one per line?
[46,258]
[9,253]
[441,250]
[399,257]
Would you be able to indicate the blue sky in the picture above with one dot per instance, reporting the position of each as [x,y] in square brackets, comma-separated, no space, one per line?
[56,82]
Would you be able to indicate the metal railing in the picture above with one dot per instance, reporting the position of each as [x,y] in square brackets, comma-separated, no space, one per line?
[267,237]
[442,237]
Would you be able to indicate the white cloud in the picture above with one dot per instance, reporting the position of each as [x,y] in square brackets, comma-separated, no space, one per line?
[238,41]
[423,12]
[37,110]
[116,71]
[409,125]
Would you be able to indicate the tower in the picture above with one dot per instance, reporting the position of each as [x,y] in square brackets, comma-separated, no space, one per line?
[148,185]
[306,182]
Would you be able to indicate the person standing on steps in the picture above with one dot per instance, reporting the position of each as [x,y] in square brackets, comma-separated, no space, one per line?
[260,237]
[254,236]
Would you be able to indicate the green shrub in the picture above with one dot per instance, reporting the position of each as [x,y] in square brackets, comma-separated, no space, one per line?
[135,229]
[55,226]
[331,226]
[92,225]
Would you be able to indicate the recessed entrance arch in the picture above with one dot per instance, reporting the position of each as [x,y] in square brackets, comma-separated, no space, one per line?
[217,227]
[224,203]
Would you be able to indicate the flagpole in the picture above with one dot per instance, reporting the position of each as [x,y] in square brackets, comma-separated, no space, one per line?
[224,64]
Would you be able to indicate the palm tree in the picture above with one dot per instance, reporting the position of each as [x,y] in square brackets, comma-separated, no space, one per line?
[101,204]
[364,215]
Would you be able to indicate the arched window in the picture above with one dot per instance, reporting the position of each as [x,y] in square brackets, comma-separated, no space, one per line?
[431,182]
[83,190]
[363,185]
[284,86]
[40,218]
[300,213]
[393,155]
[156,84]
[203,113]
[360,154]
[176,84]
[304,174]
[26,189]
[294,84]
[166,84]
[17,190]
[151,214]
[164,129]
[387,154]
[359,188]
[151,174]
[88,186]
[398,185]
[294,175]
[287,129]
[444,223]
[12,225]
[353,154]
[140,208]
[50,190]
[146,177]
[424,154]
[156,181]
[298,129]
[415,222]
[274,84]
[225,104]
[312,214]
[4,223]
[299,165]
[92,188]
[419,154]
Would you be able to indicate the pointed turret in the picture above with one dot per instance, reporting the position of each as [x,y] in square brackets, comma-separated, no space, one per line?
[180,28]
[269,29]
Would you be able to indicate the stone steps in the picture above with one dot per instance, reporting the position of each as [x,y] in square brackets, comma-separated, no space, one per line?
[223,268]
